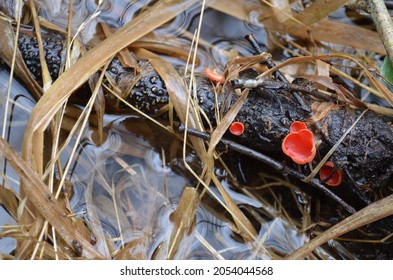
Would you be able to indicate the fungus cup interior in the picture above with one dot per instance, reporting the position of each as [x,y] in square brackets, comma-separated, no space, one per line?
[326,171]
[300,146]
[237,128]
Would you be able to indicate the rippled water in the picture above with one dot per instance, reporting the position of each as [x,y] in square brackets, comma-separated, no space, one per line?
[125,184]
[20,107]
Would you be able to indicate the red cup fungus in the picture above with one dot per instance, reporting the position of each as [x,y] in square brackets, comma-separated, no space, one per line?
[214,76]
[326,172]
[237,128]
[296,126]
[299,143]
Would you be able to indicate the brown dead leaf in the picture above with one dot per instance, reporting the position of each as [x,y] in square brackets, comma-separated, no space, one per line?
[282,10]
[183,218]
[46,77]
[323,30]
[125,57]
[314,13]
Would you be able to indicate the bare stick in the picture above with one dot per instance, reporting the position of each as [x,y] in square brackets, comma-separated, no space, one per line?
[269,63]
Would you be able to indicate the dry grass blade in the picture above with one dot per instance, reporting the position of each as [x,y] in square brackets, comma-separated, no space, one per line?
[90,63]
[178,94]
[316,12]
[209,247]
[244,226]
[99,106]
[383,23]
[236,8]
[323,30]
[12,68]
[344,34]
[7,52]
[378,210]
[85,117]
[94,222]
[125,57]
[247,62]
[6,257]
[282,9]
[79,73]
[183,218]
[46,204]
[164,48]
[331,151]
[277,10]
[381,91]
[227,120]
[46,78]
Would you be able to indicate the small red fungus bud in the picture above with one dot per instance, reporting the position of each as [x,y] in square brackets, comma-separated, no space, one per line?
[214,76]
[297,126]
[237,128]
[326,171]
[300,146]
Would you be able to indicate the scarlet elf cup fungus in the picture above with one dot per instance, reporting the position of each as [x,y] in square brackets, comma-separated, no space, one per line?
[299,144]
[327,170]
[214,76]
[237,128]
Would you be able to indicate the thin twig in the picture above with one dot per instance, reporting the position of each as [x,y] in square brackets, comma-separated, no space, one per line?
[273,84]
[18,24]
[269,62]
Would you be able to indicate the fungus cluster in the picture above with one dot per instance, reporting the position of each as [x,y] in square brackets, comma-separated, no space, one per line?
[330,175]
[300,147]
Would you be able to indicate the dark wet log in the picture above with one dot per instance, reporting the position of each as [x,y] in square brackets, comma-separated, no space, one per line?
[365,154]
